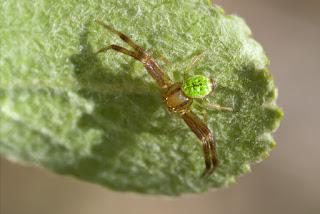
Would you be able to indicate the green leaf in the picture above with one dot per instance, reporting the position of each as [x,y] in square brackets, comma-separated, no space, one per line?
[102,118]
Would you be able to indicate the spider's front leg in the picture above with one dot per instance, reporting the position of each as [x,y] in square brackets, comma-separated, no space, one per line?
[139,54]
[207,139]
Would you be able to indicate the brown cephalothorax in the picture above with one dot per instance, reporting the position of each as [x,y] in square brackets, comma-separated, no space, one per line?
[178,97]
[176,100]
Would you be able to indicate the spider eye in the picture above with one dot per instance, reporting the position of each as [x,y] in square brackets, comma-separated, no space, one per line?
[197,86]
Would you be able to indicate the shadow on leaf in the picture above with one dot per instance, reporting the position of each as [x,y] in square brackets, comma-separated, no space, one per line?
[124,107]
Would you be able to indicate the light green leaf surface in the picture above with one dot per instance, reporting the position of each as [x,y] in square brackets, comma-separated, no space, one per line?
[102,118]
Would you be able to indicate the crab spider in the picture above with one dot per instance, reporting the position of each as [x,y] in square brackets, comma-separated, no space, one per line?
[177,97]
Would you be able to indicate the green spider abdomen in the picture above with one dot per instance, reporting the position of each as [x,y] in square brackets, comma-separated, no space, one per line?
[197,86]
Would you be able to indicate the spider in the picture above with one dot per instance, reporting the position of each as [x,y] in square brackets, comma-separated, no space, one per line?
[178,97]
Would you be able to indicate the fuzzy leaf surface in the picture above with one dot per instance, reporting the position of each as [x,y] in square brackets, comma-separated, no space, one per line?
[102,118]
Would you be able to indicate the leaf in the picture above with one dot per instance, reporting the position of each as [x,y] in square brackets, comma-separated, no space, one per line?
[102,118]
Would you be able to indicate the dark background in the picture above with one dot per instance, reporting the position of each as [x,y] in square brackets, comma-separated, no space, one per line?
[288,182]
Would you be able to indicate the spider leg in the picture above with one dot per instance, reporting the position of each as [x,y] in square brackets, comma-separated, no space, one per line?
[207,139]
[125,51]
[198,104]
[149,63]
[156,55]
[194,60]
[210,105]
[122,36]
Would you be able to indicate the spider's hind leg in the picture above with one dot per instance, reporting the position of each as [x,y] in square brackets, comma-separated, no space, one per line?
[207,140]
